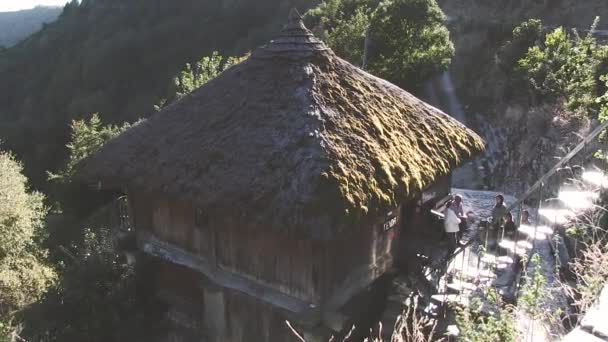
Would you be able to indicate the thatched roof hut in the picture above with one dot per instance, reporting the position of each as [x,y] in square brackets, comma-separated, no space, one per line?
[291,138]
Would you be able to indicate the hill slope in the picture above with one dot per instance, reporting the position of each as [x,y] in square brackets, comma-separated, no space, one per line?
[116,58]
[16,26]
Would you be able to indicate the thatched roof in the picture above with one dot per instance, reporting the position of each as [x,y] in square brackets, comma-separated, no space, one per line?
[293,137]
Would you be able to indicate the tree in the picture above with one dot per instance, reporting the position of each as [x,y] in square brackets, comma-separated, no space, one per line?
[567,67]
[525,35]
[95,299]
[86,138]
[193,77]
[24,276]
[343,24]
[408,41]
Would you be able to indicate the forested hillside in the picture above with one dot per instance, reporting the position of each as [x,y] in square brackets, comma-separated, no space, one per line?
[116,58]
[16,26]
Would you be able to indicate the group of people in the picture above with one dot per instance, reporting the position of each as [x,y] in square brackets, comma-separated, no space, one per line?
[455,220]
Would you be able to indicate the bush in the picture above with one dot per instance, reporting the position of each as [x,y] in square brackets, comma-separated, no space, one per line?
[408,41]
[195,76]
[95,299]
[86,138]
[495,323]
[24,276]
[567,67]
[526,35]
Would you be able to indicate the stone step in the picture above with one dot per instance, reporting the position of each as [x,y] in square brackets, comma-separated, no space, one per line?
[442,299]
[541,231]
[493,259]
[457,287]
[474,273]
[520,247]
[463,301]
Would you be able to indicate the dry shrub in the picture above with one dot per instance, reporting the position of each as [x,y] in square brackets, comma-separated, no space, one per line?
[591,272]
[409,327]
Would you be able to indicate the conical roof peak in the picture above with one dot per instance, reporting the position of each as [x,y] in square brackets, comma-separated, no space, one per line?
[295,41]
[294,21]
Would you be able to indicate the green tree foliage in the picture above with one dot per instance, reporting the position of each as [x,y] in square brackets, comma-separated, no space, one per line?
[86,138]
[408,41]
[24,276]
[534,293]
[342,24]
[486,320]
[116,58]
[567,67]
[527,34]
[194,76]
[21,212]
[603,101]
[95,299]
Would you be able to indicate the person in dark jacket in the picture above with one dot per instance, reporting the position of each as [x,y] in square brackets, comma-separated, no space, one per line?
[499,212]
[510,227]
[525,218]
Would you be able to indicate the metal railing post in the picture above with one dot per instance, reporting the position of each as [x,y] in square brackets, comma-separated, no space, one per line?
[540,200]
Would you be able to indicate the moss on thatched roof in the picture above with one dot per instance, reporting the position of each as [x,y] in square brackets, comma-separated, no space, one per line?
[293,137]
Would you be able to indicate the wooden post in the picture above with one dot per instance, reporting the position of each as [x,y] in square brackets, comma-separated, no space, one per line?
[215,312]
[365,49]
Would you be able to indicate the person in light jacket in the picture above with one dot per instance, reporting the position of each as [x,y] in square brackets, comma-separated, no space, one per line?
[451,224]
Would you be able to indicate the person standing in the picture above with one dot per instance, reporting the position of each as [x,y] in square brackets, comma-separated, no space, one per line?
[510,228]
[499,212]
[494,234]
[459,210]
[457,206]
[525,218]
[451,223]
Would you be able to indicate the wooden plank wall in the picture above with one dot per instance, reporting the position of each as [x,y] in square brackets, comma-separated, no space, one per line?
[284,264]
[249,319]
[219,315]
[173,221]
[309,270]
[362,246]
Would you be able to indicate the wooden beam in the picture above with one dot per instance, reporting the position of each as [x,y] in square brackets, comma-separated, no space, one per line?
[301,310]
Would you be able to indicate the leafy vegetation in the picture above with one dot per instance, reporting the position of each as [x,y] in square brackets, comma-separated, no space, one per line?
[486,319]
[87,137]
[109,307]
[115,58]
[525,35]
[407,39]
[92,295]
[195,76]
[567,67]
[24,274]
[95,298]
